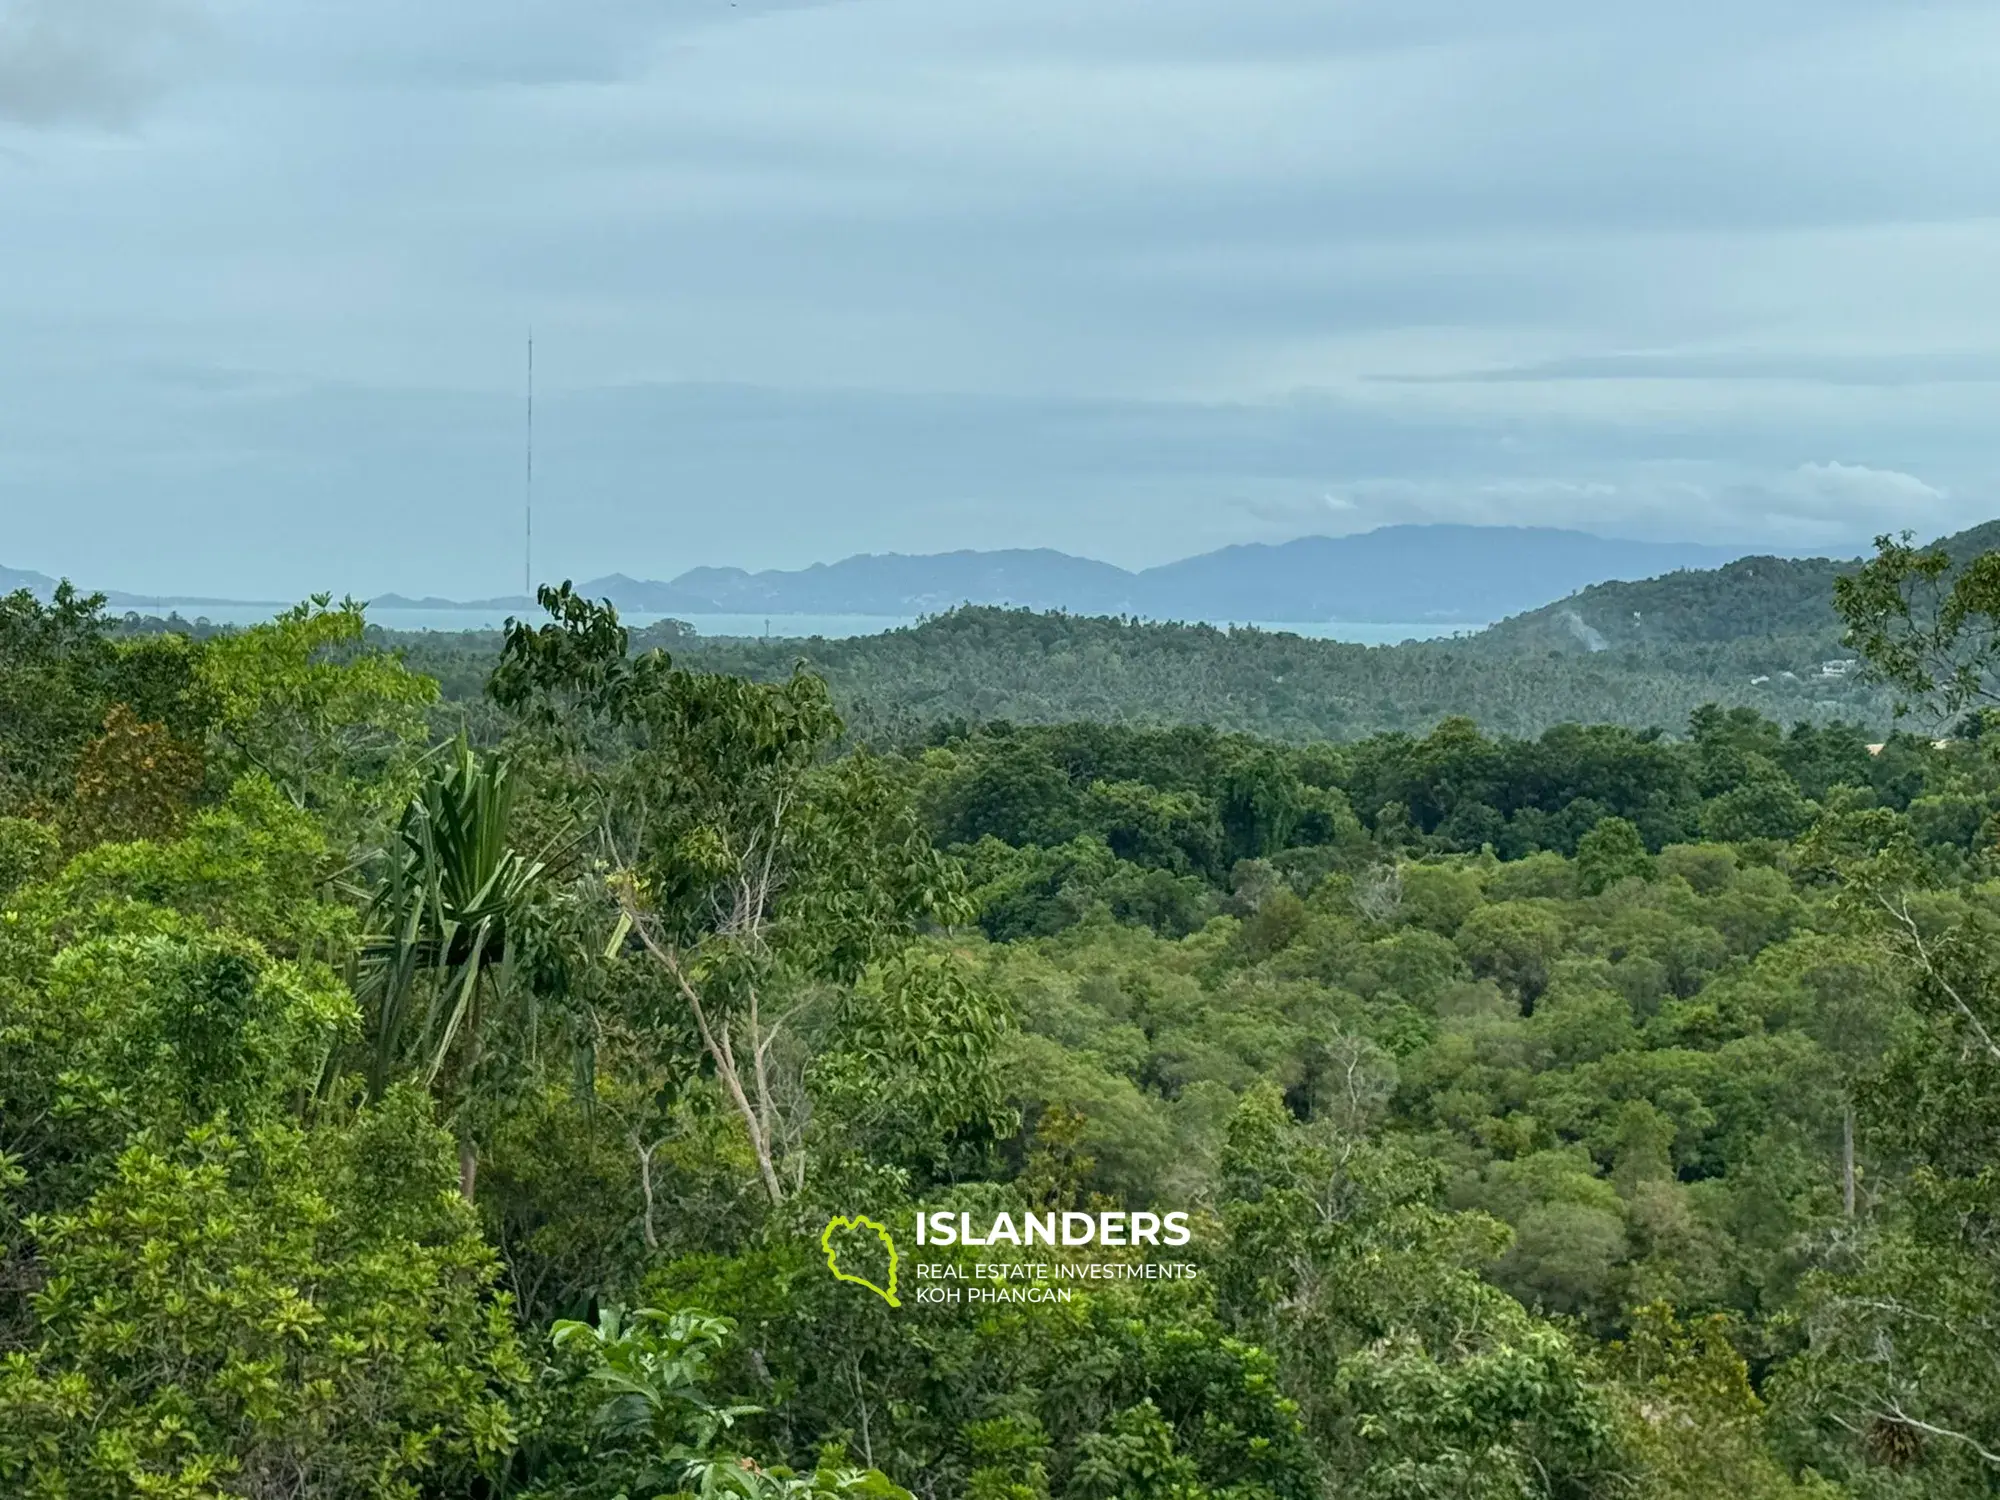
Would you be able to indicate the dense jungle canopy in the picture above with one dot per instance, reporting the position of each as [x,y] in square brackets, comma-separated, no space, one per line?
[429,1069]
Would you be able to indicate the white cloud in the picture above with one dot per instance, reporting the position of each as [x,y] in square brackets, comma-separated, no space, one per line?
[1862,487]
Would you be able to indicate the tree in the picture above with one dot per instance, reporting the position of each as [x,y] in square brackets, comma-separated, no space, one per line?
[334,723]
[745,867]
[1416,1377]
[565,680]
[134,781]
[1261,804]
[911,1069]
[1928,624]
[1012,791]
[52,660]
[280,1311]
[1770,808]
[1609,853]
[1879,1386]
[62,676]
[1691,1417]
[753,870]
[653,1423]
[453,895]
[209,1283]
[1515,943]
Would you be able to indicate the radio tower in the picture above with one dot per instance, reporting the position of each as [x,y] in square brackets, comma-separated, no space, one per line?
[528,505]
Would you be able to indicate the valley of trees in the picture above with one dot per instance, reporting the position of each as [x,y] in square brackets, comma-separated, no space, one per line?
[426,1070]
[984,664]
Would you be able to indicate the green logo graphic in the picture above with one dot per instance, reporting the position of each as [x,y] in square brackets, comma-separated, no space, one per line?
[888,1295]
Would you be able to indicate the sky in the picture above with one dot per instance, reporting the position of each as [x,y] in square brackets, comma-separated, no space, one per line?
[1130,278]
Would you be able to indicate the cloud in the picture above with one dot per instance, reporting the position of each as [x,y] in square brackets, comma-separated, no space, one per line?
[1301,515]
[1131,277]
[1886,368]
[392,45]
[1828,507]
[1861,491]
[88,62]
[374,488]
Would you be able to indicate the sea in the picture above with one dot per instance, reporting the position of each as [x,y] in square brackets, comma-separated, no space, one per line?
[785,627]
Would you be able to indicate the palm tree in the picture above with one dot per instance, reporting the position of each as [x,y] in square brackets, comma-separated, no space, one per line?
[454,899]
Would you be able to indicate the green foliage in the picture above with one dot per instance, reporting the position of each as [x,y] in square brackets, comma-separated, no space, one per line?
[254,863]
[1010,1459]
[566,677]
[210,1284]
[754,850]
[649,1370]
[983,664]
[1927,621]
[1421,1380]
[452,894]
[911,1076]
[1611,852]
[123,1008]
[1762,599]
[748,869]
[1120,1387]
[62,675]
[1149,825]
[1037,892]
[232,1300]
[1885,1395]
[1515,944]
[1882,1395]
[1694,1422]
[654,1424]
[331,721]
[1596,1112]
[231,1313]
[28,850]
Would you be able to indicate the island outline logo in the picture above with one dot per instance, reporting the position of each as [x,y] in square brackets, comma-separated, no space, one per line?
[860,1221]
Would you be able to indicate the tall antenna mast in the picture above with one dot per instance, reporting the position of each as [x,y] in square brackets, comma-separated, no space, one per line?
[528,507]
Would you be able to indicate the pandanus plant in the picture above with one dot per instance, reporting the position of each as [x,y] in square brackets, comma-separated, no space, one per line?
[452,903]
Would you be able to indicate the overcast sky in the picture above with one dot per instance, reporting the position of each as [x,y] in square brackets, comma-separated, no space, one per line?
[1132,278]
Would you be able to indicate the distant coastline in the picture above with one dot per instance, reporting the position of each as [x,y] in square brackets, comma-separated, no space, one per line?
[1447,577]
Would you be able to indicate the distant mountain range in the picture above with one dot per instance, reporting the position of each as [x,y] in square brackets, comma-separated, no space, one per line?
[42,586]
[1398,574]
[14,579]
[1443,575]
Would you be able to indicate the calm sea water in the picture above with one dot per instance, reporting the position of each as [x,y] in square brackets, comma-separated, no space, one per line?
[795,626]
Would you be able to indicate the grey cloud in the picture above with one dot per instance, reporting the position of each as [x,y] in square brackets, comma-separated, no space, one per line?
[1935,367]
[1821,508]
[1134,277]
[90,62]
[386,44]
[419,490]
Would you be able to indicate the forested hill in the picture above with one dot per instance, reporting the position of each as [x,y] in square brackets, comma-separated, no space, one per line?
[1749,598]
[1758,633]
[981,664]
[1600,1115]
